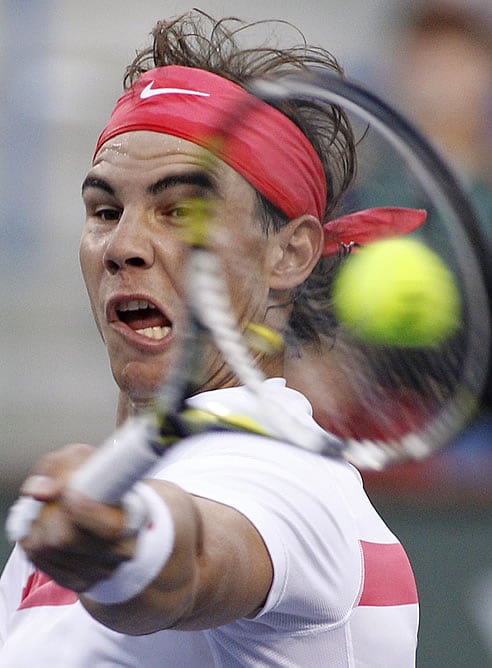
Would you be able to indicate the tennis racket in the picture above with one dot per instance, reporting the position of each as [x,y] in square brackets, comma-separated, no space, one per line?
[374,405]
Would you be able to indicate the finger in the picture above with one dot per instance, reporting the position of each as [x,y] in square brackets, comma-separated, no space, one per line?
[41,487]
[108,522]
[78,571]
[75,558]
[50,530]
[61,463]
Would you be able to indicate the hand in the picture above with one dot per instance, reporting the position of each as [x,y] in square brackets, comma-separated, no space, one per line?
[75,540]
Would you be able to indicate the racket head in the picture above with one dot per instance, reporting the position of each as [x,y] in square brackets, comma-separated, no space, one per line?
[391,403]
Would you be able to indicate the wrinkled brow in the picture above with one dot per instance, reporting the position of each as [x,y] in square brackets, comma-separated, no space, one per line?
[200,179]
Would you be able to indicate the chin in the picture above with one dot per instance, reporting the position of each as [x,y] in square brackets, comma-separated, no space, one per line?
[140,382]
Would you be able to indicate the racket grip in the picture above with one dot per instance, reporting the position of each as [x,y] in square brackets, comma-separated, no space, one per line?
[108,476]
[120,462]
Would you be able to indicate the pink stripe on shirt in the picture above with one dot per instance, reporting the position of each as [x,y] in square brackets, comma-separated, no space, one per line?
[40,590]
[388,576]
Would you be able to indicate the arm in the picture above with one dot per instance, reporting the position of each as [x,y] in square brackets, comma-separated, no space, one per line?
[219,568]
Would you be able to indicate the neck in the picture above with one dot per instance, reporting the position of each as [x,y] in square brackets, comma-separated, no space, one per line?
[129,406]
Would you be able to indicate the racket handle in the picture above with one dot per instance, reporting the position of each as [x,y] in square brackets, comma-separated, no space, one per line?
[120,462]
[108,476]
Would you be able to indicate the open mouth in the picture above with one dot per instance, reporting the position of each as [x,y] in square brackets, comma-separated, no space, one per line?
[144,318]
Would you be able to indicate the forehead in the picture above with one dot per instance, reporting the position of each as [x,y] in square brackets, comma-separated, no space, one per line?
[144,154]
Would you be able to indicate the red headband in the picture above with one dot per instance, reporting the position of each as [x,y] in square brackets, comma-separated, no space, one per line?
[267,148]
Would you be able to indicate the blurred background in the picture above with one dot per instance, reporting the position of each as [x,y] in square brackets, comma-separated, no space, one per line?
[61,65]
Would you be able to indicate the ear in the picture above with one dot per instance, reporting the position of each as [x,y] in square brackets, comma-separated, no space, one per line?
[300,244]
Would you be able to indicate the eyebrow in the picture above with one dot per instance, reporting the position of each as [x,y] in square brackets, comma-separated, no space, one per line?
[94,182]
[201,179]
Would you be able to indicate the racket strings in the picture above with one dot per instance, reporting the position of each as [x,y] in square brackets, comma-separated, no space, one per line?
[211,304]
[410,401]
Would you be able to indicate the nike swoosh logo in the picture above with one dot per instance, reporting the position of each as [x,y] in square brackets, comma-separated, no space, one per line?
[148,91]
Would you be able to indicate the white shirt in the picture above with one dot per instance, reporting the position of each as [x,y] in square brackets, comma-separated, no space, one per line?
[343,592]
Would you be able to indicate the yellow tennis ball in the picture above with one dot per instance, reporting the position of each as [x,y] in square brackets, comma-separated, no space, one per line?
[397,292]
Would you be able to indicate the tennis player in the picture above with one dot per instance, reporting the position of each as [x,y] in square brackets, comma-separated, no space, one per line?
[256,553]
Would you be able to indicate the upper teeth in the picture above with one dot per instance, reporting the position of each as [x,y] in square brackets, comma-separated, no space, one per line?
[135,305]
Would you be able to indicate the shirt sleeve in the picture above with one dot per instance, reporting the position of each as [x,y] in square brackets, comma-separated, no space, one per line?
[297,502]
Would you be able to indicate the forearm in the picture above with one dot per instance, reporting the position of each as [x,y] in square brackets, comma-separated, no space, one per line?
[172,544]
[214,568]
[218,571]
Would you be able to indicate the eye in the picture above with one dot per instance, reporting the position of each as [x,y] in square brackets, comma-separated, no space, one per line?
[195,210]
[194,218]
[107,214]
[181,211]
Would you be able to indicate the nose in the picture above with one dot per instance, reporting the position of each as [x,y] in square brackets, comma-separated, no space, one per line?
[130,244]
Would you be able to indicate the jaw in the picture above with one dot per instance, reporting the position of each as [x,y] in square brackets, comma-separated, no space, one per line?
[140,379]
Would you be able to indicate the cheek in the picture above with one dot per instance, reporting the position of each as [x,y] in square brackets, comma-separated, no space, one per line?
[171,259]
[247,279]
[243,248]
[91,261]
[244,264]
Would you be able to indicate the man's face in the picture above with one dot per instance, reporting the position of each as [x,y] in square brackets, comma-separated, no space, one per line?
[133,256]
